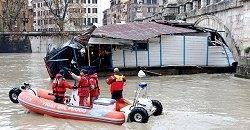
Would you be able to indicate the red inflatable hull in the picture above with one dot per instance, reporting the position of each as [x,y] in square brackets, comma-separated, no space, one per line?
[43,103]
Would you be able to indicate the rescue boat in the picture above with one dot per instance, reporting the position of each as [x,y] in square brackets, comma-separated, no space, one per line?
[104,109]
[41,101]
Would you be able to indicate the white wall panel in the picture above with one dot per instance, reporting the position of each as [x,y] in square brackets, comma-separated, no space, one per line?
[195,50]
[154,52]
[130,60]
[142,58]
[172,50]
[117,58]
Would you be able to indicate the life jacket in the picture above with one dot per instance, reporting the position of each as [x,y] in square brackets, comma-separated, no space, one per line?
[117,82]
[58,88]
[93,80]
[84,86]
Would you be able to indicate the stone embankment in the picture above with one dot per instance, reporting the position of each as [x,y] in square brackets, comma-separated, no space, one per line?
[243,69]
[15,44]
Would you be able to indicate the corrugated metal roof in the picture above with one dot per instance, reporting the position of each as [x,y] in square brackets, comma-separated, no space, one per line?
[138,31]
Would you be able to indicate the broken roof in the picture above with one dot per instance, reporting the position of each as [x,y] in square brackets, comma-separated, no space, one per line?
[138,31]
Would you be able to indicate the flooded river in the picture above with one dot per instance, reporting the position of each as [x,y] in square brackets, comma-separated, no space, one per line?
[200,101]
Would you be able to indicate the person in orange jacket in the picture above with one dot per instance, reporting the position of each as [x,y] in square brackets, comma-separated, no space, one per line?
[116,82]
[95,89]
[59,86]
[83,87]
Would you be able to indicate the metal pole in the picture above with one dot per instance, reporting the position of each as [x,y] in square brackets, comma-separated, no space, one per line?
[88,55]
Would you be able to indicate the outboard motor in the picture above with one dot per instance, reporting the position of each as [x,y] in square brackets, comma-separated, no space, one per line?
[14,92]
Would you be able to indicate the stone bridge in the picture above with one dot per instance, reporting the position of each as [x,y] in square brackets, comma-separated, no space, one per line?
[230,17]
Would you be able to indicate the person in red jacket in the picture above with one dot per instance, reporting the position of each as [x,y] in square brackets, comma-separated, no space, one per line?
[59,86]
[83,87]
[95,90]
[116,82]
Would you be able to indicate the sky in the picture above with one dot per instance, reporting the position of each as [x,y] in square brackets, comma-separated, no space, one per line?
[106,4]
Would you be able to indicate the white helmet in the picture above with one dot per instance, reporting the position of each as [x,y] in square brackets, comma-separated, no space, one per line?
[141,74]
[116,70]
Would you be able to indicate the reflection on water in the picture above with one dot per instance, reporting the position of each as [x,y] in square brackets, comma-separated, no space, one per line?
[201,101]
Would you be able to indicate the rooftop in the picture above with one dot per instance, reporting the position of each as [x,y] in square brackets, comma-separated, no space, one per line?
[139,31]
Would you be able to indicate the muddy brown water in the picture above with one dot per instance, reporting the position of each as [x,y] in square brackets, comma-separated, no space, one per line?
[200,101]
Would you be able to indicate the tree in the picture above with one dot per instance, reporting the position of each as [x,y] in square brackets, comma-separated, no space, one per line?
[58,9]
[64,11]
[12,13]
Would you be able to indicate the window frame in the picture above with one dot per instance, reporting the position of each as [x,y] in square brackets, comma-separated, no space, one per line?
[140,45]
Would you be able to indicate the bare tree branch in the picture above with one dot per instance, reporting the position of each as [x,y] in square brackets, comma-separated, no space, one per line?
[59,10]
[11,13]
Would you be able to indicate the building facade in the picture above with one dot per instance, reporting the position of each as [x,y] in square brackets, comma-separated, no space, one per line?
[79,14]
[123,11]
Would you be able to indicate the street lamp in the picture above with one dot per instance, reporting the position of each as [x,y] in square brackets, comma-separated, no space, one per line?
[4,18]
[25,20]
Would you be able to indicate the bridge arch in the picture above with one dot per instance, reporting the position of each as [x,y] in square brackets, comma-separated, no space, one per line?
[213,22]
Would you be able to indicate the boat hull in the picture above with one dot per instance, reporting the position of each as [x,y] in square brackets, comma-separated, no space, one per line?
[48,107]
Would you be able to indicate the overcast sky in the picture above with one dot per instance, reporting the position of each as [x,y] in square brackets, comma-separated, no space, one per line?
[106,4]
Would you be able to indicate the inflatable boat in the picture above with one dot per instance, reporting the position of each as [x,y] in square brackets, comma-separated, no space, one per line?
[104,109]
[41,101]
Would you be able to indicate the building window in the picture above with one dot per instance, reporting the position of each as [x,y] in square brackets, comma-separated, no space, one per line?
[151,1]
[84,10]
[94,10]
[89,21]
[70,1]
[154,9]
[199,4]
[50,21]
[94,20]
[85,21]
[89,10]
[208,2]
[94,1]
[217,1]
[140,45]
[34,14]
[88,1]
[77,1]
[149,9]
[45,21]
[34,5]
[191,6]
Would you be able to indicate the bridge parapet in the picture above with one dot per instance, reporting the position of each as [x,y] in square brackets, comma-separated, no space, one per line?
[56,33]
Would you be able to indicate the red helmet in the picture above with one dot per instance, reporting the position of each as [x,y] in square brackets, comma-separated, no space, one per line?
[58,76]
